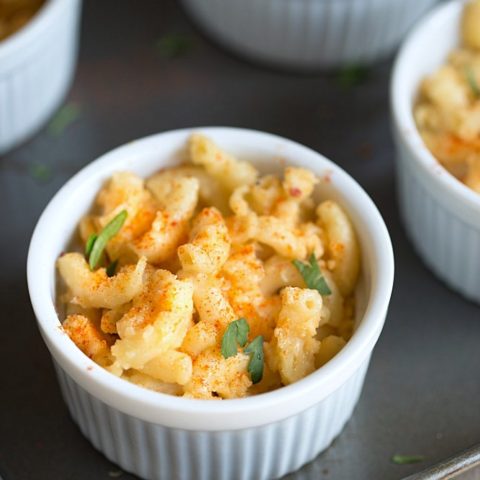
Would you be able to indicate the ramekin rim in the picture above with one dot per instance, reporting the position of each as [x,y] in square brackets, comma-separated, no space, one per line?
[15,43]
[402,112]
[359,346]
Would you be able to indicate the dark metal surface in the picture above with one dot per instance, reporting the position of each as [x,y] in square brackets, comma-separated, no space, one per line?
[464,466]
[422,391]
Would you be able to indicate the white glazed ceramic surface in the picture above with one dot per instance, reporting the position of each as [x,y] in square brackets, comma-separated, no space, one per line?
[156,452]
[161,436]
[309,33]
[441,215]
[36,68]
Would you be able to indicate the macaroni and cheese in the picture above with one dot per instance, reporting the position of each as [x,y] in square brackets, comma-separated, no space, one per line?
[15,14]
[209,281]
[447,112]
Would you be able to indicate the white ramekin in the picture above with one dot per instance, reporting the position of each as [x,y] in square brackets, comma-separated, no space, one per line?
[159,436]
[36,69]
[441,215]
[309,34]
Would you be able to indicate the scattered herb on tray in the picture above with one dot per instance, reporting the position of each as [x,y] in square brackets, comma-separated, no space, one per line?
[352,76]
[312,275]
[68,114]
[174,45]
[115,473]
[407,459]
[40,171]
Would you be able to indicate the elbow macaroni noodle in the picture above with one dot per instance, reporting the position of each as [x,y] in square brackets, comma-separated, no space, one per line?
[203,245]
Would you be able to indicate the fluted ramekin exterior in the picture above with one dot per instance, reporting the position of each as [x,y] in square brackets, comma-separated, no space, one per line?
[309,33]
[162,436]
[440,214]
[156,452]
[448,243]
[36,69]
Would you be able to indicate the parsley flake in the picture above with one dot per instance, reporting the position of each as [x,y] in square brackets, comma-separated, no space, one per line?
[115,473]
[97,245]
[174,45]
[312,275]
[407,459]
[40,171]
[352,76]
[472,81]
[63,119]
[236,333]
[255,365]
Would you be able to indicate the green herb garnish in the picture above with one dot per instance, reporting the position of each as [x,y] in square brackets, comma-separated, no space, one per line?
[115,473]
[89,245]
[112,268]
[236,333]
[40,171]
[352,76]
[407,459]
[312,275]
[174,45]
[63,119]
[109,231]
[472,81]
[255,365]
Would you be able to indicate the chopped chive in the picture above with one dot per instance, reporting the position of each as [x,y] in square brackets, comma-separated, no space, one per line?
[89,245]
[352,76]
[112,267]
[109,231]
[115,473]
[63,119]
[40,171]
[407,459]
[472,81]
[174,45]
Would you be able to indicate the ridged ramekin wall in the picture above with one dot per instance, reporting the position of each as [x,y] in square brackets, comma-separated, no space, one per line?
[36,69]
[158,453]
[440,214]
[160,436]
[448,243]
[309,33]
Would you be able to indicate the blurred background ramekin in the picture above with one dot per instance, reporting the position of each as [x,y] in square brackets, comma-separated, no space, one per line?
[441,215]
[159,436]
[308,34]
[36,69]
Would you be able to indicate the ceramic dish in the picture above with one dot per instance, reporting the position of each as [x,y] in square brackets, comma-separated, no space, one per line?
[161,436]
[309,34]
[36,69]
[441,215]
